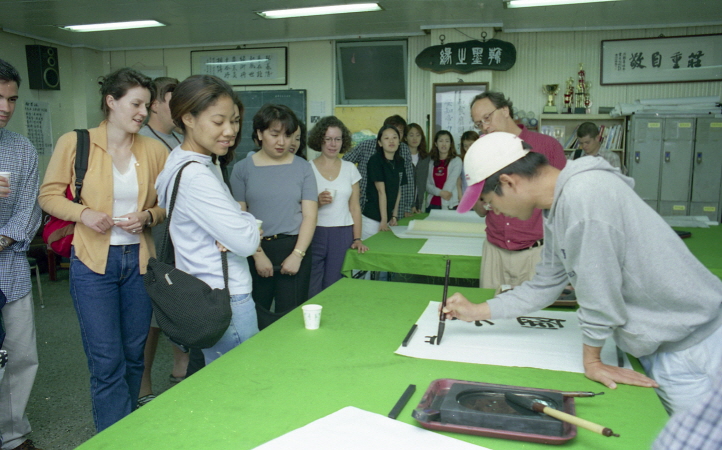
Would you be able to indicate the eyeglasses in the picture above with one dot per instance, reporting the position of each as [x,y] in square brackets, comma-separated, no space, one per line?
[486,120]
[335,140]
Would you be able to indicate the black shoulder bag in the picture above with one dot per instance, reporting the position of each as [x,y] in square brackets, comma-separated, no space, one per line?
[189,312]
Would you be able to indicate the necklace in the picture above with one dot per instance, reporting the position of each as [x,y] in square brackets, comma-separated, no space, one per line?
[161,139]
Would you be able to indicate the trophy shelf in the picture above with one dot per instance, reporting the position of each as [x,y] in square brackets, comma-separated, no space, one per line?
[563,127]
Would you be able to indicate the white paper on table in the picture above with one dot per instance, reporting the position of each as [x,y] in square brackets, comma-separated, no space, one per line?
[445,245]
[355,429]
[506,342]
[448,215]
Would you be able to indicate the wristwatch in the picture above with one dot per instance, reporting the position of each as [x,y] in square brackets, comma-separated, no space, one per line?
[4,243]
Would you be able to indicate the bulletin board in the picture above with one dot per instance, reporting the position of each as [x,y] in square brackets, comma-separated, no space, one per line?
[252,102]
[451,109]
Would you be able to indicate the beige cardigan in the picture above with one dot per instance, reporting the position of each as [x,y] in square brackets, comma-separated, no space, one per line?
[97,193]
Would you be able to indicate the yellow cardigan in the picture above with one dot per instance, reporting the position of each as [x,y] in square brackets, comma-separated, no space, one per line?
[97,193]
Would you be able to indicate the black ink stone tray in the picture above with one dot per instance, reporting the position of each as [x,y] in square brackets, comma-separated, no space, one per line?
[480,409]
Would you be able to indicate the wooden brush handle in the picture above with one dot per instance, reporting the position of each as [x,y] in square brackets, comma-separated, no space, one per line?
[574,420]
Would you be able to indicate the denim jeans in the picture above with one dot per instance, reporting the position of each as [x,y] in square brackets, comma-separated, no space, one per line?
[114,314]
[244,325]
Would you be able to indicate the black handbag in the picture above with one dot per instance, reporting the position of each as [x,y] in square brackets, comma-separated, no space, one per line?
[187,310]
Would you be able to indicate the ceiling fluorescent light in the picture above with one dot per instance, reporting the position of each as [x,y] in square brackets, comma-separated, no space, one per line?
[530,3]
[319,10]
[113,26]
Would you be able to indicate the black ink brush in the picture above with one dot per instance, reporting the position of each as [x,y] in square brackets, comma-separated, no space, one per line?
[442,315]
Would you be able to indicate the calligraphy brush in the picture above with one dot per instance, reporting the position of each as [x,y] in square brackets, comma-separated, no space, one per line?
[535,405]
[442,315]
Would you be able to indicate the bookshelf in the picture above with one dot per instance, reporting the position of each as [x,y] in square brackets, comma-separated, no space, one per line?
[564,128]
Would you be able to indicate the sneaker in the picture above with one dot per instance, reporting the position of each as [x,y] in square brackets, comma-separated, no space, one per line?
[27,445]
[144,400]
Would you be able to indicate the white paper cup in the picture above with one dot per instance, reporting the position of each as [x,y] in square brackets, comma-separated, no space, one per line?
[312,316]
[259,223]
[332,192]
[7,175]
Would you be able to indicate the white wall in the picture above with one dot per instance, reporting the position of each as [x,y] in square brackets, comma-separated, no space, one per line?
[542,58]
[75,105]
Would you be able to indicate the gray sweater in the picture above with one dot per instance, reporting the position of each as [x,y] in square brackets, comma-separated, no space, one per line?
[635,279]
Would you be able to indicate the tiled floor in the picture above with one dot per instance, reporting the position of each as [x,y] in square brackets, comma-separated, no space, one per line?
[59,409]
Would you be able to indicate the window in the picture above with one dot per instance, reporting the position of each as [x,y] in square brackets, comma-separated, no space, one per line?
[371,73]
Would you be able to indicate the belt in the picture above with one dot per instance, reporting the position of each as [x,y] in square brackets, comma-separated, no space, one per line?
[538,243]
[278,236]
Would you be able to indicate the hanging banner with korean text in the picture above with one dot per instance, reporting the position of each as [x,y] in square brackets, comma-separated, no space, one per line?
[40,130]
[242,66]
[469,56]
[662,60]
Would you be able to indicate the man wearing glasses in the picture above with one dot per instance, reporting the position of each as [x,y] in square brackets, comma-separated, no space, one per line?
[513,247]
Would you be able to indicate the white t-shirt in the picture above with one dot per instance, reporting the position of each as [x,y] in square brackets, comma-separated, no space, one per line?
[125,201]
[337,213]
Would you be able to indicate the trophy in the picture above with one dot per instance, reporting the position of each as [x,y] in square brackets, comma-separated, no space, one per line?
[569,96]
[587,100]
[579,107]
[550,90]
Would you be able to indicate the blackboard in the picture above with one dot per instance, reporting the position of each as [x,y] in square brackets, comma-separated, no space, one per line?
[253,100]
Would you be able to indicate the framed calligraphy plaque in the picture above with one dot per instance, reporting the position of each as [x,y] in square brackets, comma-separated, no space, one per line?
[452,103]
[243,67]
[662,60]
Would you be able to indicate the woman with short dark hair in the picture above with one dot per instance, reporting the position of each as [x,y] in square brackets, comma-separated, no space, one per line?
[279,189]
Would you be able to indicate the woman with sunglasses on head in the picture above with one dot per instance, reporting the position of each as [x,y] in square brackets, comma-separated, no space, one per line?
[112,241]
[339,211]
[206,220]
[279,189]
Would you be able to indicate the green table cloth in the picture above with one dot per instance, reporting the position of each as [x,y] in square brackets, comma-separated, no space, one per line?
[286,377]
[388,253]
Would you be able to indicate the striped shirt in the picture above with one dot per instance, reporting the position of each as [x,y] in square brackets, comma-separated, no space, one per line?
[19,213]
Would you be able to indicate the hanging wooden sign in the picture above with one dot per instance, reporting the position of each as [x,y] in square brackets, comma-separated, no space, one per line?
[469,56]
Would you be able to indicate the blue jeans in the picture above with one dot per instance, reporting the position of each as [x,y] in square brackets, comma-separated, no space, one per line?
[114,313]
[244,325]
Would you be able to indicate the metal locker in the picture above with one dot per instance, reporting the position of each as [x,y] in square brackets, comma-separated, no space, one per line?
[676,167]
[643,160]
[707,169]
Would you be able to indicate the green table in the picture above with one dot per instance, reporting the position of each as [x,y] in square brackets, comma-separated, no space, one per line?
[388,253]
[287,376]
[706,245]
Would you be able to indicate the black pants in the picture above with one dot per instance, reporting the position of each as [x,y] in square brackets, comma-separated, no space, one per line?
[289,291]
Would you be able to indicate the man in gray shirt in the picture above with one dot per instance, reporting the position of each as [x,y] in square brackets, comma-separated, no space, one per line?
[160,124]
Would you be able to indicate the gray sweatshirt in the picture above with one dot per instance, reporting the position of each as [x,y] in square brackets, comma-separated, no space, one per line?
[635,279]
[205,212]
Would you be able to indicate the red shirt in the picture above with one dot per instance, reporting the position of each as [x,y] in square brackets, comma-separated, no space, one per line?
[440,174]
[514,234]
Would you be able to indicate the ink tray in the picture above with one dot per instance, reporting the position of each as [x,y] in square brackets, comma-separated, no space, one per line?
[480,409]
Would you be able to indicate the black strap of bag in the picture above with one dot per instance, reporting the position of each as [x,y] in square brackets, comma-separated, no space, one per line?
[82,153]
[166,244]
